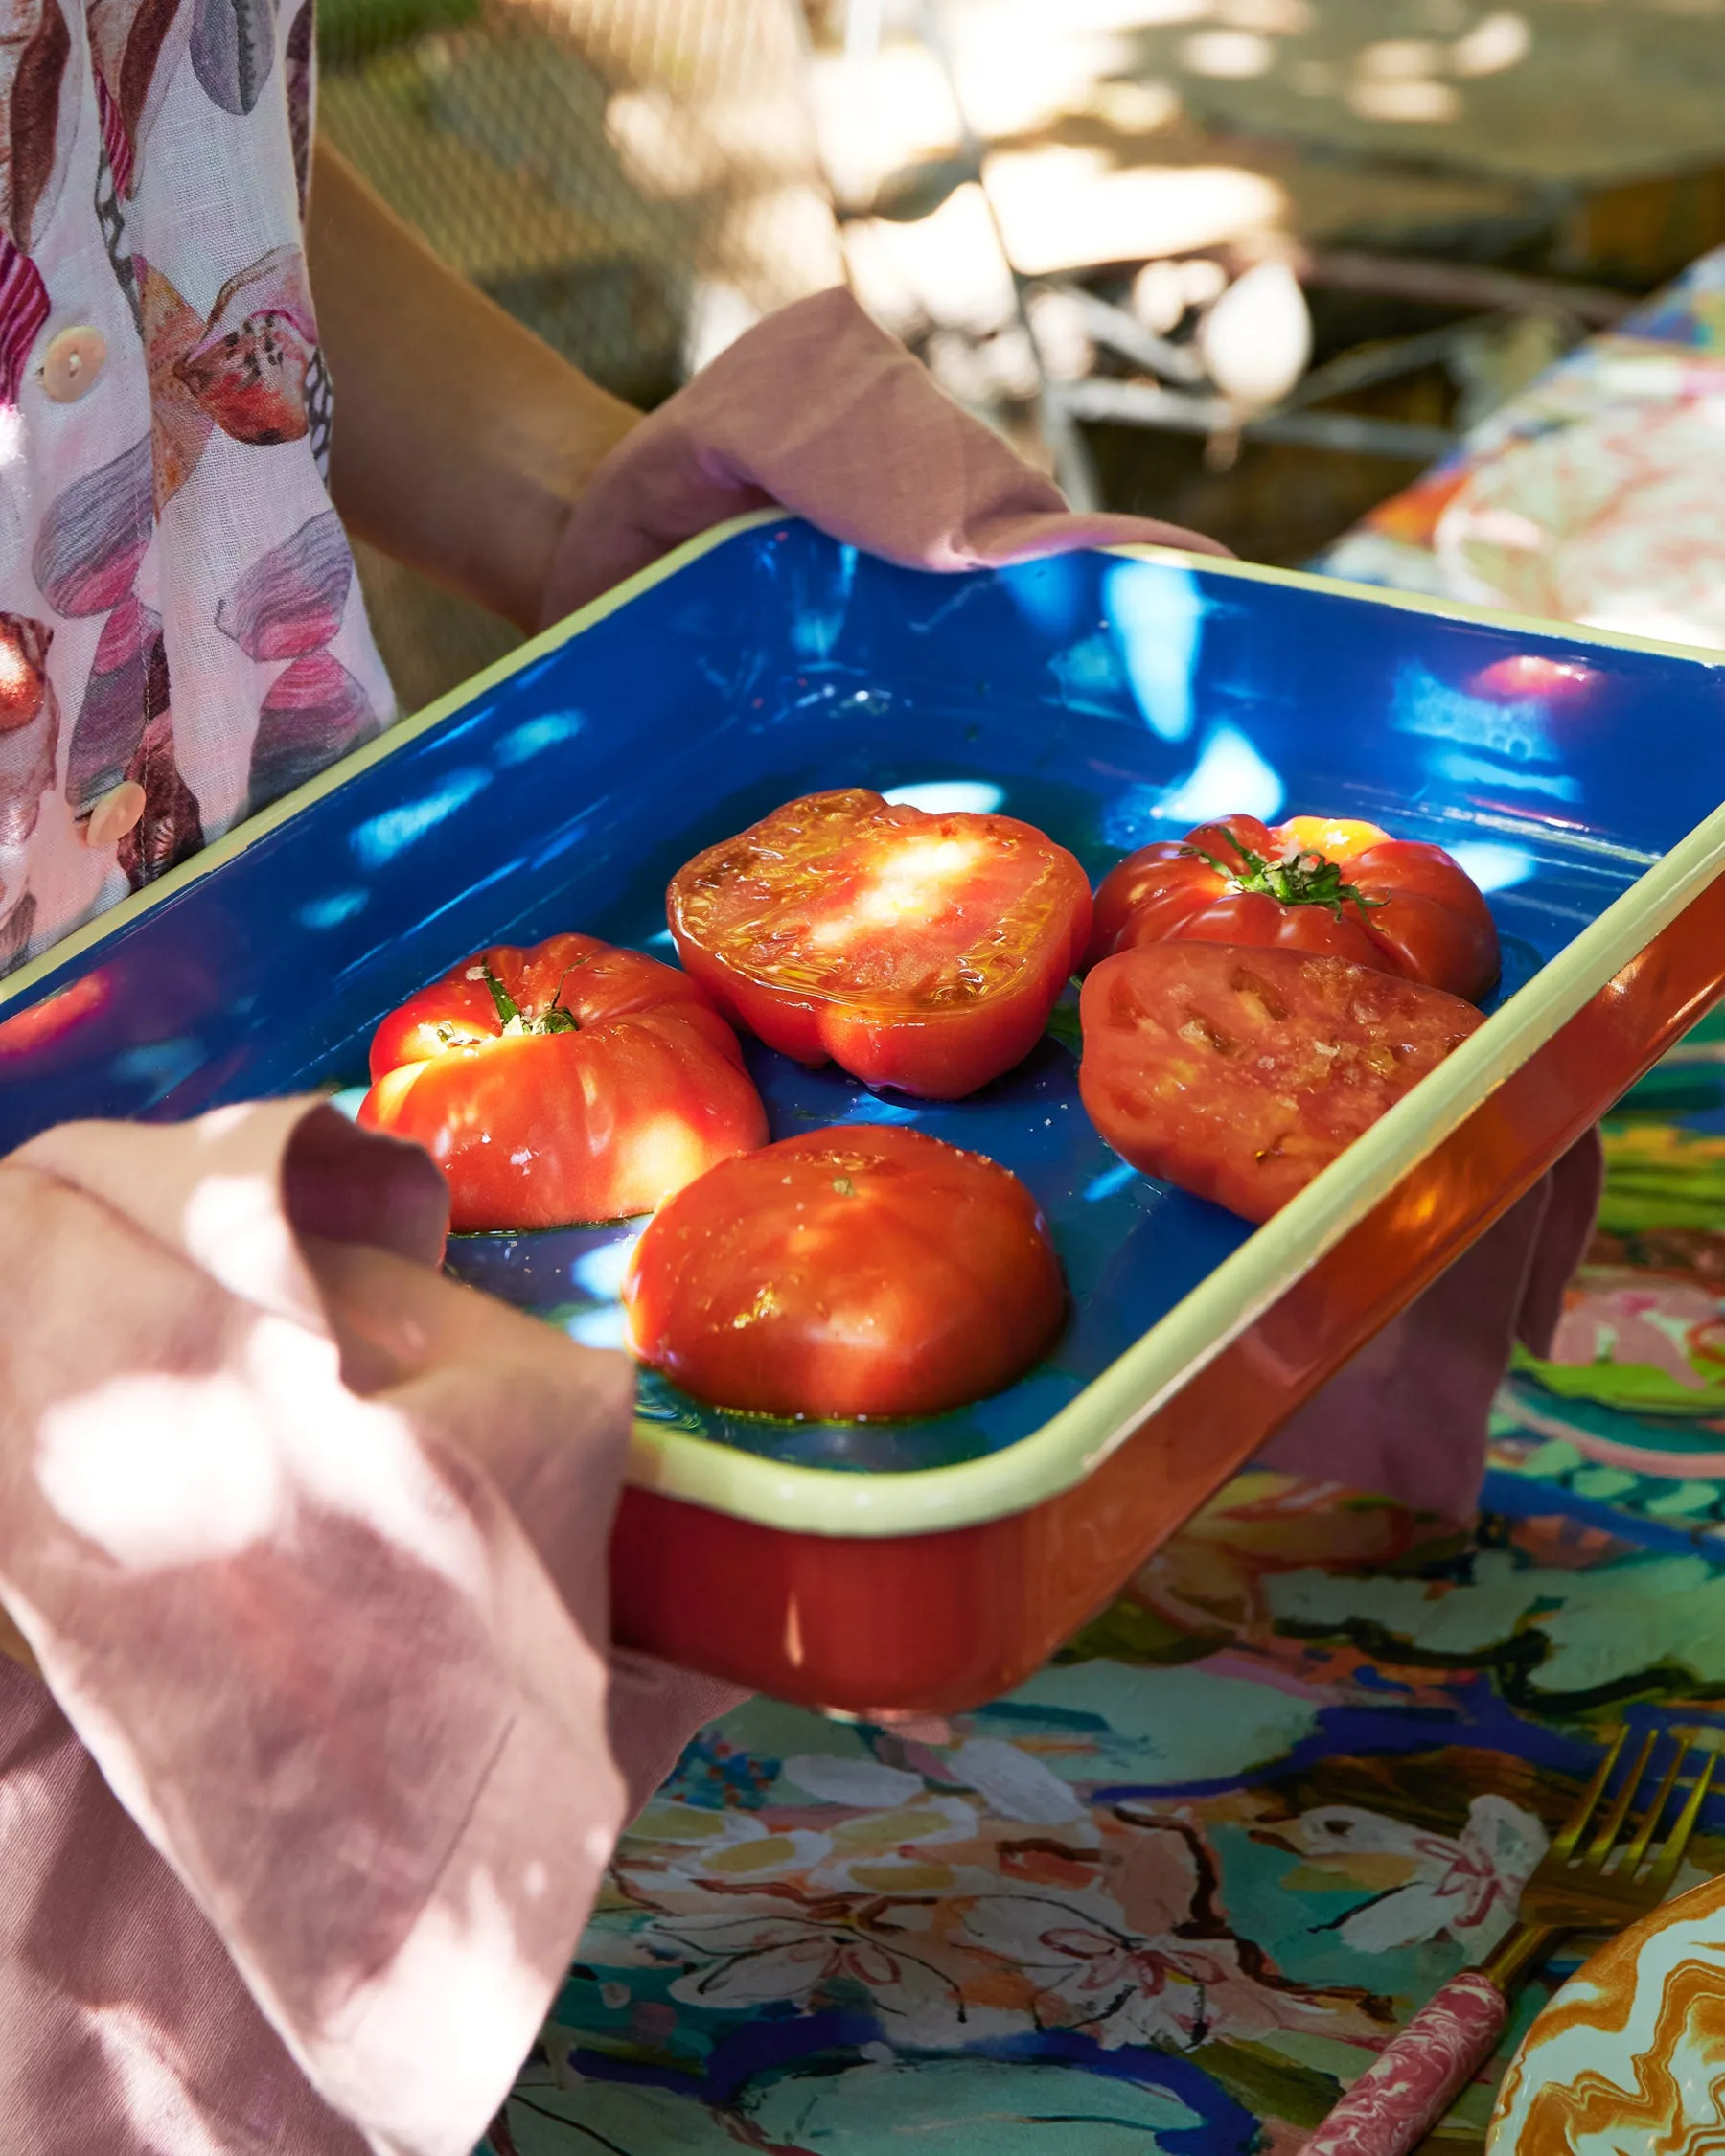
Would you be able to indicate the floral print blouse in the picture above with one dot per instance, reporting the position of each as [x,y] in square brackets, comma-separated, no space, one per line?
[181,632]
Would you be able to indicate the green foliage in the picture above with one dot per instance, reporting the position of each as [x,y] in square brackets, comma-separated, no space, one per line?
[352,31]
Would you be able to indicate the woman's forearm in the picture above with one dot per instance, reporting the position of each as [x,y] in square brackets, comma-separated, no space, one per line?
[461,440]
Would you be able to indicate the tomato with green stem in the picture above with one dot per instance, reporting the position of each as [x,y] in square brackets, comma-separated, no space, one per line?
[574,1081]
[1317,883]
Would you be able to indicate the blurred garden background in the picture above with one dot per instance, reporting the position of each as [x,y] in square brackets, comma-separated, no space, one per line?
[1248,265]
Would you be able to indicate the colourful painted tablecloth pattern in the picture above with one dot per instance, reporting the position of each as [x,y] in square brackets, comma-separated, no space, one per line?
[1169,1895]
[1172,1892]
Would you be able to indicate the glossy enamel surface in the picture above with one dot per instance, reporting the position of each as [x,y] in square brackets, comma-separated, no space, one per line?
[1109,700]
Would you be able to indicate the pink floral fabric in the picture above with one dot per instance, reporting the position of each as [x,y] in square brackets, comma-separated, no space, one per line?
[178,601]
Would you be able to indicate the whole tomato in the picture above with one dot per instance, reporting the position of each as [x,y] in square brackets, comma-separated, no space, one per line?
[1239,1072]
[862,1271]
[1312,884]
[914,951]
[571,1082]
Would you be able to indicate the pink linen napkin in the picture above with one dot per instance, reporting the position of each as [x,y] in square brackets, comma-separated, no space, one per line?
[817,411]
[1408,1417]
[308,1544]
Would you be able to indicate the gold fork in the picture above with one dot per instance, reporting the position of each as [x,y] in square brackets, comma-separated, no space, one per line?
[1600,1885]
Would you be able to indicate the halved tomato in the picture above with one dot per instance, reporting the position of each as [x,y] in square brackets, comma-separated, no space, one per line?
[570,1082]
[863,1270]
[1239,1072]
[915,951]
[1312,884]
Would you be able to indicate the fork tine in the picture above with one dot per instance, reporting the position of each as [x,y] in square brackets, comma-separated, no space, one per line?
[1654,1813]
[1665,1867]
[1574,1827]
[1614,1818]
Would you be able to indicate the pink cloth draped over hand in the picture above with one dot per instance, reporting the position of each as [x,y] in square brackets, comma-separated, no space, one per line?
[304,1815]
[818,411]
[309,1545]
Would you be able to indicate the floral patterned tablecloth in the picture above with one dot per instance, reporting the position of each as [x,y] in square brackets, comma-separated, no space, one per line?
[1169,1894]
[1172,1892]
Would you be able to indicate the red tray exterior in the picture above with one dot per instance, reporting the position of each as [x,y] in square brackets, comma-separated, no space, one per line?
[889,1626]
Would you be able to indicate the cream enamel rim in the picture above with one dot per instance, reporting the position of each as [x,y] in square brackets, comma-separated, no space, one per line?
[1071,1444]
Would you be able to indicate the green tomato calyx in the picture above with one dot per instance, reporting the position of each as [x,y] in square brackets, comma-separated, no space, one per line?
[1294,878]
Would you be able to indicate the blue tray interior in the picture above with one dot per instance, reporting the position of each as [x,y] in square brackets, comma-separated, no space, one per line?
[1109,701]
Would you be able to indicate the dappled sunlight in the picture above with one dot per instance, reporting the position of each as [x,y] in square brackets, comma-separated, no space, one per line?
[1414,100]
[235,1228]
[1087,17]
[464,1986]
[159,1468]
[534,736]
[1256,340]
[601,1273]
[914,882]
[382,837]
[606,1325]
[1276,19]
[137,2061]
[946,268]
[1157,621]
[160,1471]
[945,798]
[1021,84]
[333,909]
[1063,208]
[666,1154]
[878,115]
[1513,727]
[1230,778]
[665,158]
[1493,867]
[1228,56]
[216,1125]
[1492,45]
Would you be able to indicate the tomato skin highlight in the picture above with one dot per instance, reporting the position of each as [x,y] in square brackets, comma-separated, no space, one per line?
[866,1270]
[1239,1072]
[1418,912]
[918,952]
[604,1119]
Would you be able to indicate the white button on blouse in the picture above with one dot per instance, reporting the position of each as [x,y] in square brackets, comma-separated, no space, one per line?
[73,362]
[115,815]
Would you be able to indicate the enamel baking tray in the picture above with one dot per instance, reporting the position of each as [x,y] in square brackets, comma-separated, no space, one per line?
[1112,698]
